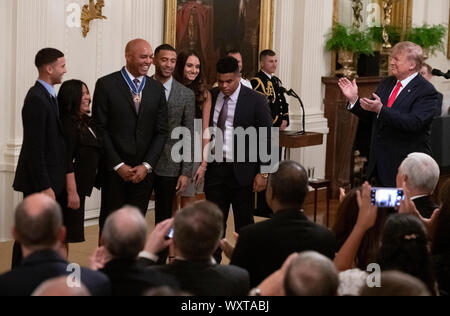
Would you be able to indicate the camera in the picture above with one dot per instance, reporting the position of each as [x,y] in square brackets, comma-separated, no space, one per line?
[387,197]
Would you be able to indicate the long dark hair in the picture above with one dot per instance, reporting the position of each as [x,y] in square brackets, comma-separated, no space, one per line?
[69,100]
[405,248]
[346,220]
[441,236]
[199,85]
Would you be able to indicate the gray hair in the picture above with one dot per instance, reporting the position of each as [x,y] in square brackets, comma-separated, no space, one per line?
[413,52]
[311,274]
[422,172]
[125,233]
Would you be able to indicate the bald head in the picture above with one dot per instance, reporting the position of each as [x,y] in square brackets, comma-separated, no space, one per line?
[139,56]
[38,221]
[58,287]
[125,233]
[311,274]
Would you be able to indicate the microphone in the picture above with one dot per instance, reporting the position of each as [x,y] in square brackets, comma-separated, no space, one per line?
[292,93]
[438,73]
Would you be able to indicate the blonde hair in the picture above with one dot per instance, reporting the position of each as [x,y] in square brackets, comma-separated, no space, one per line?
[413,52]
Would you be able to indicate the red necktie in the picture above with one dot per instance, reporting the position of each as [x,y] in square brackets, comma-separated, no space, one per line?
[394,94]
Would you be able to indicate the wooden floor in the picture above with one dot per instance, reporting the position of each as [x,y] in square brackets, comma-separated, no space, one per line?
[80,253]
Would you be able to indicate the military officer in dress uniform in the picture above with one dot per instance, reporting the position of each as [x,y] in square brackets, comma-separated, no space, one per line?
[269,85]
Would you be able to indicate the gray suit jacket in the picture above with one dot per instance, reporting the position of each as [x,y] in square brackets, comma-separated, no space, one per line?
[181,109]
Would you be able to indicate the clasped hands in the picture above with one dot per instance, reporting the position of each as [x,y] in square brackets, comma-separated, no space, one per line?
[135,175]
[350,91]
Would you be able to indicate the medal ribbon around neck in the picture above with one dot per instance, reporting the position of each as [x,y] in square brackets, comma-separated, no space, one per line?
[138,91]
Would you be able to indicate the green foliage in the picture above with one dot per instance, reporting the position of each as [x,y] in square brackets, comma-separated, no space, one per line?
[350,39]
[376,34]
[431,37]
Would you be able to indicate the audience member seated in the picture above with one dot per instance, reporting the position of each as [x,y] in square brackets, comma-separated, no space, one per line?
[124,237]
[311,274]
[197,232]
[395,283]
[419,174]
[347,216]
[405,248]
[59,287]
[262,248]
[441,242]
[39,229]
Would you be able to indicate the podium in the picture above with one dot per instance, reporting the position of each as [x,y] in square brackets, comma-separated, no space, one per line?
[291,140]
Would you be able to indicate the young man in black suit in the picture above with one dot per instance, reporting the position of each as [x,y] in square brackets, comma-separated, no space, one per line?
[401,113]
[262,248]
[131,113]
[39,228]
[229,181]
[42,163]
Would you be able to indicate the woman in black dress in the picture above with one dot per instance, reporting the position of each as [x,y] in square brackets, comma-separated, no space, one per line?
[83,155]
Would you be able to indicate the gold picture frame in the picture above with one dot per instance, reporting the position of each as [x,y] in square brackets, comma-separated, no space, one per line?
[266,24]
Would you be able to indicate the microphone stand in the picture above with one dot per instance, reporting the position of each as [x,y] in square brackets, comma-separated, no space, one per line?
[295,95]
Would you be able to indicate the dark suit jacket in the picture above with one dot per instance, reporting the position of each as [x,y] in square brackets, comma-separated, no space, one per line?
[425,206]
[252,110]
[43,266]
[130,137]
[130,279]
[42,161]
[203,278]
[83,154]
[403,129]
[262,248]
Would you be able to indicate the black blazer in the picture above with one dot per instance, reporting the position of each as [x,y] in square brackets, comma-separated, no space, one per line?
[83,154]
[425,206]
[130,137]
[42,161]
[252,110]
[262,248]
[204,278]
[43,266]
[403,129]
[130,279]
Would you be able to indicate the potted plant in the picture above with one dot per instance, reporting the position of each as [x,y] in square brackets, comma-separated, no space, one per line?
[348,42]
[376,35]
[430,38]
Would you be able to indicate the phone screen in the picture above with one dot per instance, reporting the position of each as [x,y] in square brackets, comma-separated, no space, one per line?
[387,197]
[170,235]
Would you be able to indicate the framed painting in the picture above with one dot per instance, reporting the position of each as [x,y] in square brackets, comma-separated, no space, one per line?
[212,27]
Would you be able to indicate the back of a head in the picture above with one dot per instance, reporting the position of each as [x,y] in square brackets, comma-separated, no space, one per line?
[405,248]
[198,230]
[289,185]
[47,56]
[396,283]
[311,274]
[227,65]
[422,172]
[125,233]
[59,287]
[38,221]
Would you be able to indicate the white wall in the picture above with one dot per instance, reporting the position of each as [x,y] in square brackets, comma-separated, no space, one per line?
[435,12]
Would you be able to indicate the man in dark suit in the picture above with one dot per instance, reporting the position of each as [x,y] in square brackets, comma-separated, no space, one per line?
[266,83]
[419,175]
[42,163]
[229,181]
[401,112]
[287,232]
[39,229]
[124,236]
[197,232]
[131,113]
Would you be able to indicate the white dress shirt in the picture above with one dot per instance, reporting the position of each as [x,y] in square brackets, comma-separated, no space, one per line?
[228,149]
